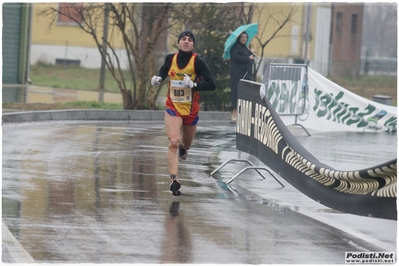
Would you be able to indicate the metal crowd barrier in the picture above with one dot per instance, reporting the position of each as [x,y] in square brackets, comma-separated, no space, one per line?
[287,90]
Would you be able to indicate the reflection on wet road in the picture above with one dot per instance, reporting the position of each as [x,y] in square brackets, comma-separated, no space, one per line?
[81,192]
[352,150]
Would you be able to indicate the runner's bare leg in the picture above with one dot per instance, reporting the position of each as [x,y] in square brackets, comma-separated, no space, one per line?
[173,125]
[188,134]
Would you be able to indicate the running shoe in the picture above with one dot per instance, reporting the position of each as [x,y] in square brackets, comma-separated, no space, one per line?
[182,152]
[174,185]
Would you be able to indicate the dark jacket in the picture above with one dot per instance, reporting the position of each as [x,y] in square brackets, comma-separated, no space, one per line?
[240,62]
[241,66]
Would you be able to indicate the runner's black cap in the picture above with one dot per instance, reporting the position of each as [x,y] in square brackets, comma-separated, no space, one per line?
[187,33]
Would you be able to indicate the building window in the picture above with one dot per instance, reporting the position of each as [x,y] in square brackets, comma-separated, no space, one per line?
[70,13]
[354,24]
[339,22]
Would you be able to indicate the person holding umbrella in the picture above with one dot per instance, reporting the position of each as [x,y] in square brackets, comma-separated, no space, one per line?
[241,68]
[242,58]
[188,75]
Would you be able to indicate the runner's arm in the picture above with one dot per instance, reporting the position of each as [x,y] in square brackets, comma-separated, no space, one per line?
[207,81]
[163,71]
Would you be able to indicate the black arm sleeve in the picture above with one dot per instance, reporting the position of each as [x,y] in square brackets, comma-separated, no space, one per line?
[163,71]
[207,81]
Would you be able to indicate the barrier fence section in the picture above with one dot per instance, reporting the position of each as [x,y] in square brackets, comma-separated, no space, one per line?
[261,132]
[286,86]
[287,89]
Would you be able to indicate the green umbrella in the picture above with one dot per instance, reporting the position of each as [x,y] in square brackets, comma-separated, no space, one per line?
[250,29]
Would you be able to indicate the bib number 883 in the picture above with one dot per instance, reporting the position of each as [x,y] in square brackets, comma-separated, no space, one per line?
[179,93]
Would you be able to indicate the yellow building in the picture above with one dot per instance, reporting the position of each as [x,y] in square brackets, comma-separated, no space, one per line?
[65,42]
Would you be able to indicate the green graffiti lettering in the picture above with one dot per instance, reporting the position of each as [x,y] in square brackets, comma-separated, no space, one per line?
[283,102]
[293,101]
[370,108]
[390,124]
[273,94]
[335,103]
[283,96]
[339,108]
[344,111]
[363,123]
[323,110]
[270,91]
[354,117]
[339,96]
[331,106]
[317,93]
[348,114]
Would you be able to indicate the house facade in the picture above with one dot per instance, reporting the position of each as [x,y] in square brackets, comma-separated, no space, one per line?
[346,38]
[65,42]
[334,39]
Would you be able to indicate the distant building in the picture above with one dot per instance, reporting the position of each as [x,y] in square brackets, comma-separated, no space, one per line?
[65,43]
[335,34]
[15,42]
[346,39]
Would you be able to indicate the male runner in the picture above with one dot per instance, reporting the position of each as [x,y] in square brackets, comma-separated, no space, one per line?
[188,75]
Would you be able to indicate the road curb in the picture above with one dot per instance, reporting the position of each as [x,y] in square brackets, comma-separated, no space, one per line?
[92,114]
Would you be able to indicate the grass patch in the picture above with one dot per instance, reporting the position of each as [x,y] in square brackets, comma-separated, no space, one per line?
[72,77]
[368,86]
[367,81]
[77,78]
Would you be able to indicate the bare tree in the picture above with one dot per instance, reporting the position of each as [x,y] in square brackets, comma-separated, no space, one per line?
[141,25]
[212,23]
[275,19]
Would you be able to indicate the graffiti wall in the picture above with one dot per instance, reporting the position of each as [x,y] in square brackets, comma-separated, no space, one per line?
[326,106]
[261,132]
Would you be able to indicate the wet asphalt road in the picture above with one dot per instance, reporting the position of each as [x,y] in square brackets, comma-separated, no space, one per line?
[98,192]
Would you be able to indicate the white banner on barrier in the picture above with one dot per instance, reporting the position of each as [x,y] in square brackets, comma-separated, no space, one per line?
[330,107]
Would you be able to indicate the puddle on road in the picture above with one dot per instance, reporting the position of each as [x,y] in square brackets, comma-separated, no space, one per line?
[347,150]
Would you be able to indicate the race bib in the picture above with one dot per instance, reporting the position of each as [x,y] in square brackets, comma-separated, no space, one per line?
[180,92]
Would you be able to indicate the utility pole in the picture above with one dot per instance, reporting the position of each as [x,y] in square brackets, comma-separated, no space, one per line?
[307,33]
[104,49]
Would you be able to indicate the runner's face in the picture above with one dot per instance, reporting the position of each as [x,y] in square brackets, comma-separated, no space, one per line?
[186,44]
